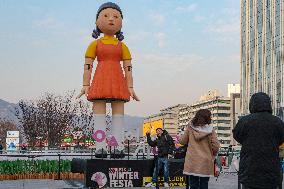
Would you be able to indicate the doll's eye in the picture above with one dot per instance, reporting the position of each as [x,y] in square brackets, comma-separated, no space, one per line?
[105,15]
[115,16]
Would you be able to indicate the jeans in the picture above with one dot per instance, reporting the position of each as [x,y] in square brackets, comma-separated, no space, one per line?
[161,162]
[198,182]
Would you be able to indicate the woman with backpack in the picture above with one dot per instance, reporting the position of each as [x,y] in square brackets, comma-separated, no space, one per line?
[203,146]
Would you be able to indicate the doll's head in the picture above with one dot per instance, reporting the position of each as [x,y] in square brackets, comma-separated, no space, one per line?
[109,21]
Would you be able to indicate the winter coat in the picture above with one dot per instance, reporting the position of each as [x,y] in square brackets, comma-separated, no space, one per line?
[260,134]
[203,146]
[164,143]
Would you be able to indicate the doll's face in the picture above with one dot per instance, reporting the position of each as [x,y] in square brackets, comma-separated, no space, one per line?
[109,21]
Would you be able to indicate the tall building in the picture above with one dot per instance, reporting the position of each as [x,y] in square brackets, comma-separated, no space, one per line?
[262,52]
[171,123]
[235,110]
[235,113]
[184,117]
[233,89]
[167,119]
[220,109]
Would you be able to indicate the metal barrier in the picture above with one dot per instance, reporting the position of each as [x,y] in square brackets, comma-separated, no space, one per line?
[80,154]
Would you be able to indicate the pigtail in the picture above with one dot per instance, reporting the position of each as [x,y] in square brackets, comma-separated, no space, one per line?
[96,33]
[119,36]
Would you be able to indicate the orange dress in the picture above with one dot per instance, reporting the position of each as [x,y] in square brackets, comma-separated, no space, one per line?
[109,82]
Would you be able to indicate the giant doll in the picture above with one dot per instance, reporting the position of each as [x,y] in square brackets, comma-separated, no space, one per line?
[112,81]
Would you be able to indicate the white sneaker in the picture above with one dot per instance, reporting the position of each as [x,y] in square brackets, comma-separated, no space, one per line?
[150,184]
[166,185]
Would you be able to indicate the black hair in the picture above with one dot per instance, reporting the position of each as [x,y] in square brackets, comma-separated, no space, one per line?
[96,32]
[202,117]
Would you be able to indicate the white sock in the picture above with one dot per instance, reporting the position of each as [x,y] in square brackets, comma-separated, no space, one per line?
[117,130]
[100,124]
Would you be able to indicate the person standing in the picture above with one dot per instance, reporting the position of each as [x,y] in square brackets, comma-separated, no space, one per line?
[165,144]
[260,134]
[203,146]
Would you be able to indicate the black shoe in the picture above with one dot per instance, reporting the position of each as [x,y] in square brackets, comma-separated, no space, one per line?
[101,153]
[117,154]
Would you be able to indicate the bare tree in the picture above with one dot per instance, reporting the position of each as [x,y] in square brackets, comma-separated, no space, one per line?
[84,118]
[27,113]
[47,118]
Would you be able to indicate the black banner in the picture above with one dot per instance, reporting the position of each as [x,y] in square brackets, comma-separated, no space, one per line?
[129,173]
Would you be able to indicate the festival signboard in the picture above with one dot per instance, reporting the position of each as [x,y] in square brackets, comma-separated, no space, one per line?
[129,173]
[13,134]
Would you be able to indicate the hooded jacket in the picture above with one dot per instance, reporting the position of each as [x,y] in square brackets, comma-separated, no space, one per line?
[260,134]
[203,145]
[164,143]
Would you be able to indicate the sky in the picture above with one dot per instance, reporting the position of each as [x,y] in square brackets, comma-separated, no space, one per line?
[180,49]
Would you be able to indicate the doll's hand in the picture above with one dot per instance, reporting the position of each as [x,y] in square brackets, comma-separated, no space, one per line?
[132,94]
[84,91]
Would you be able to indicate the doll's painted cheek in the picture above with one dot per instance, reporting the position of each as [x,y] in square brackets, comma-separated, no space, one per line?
[102,24]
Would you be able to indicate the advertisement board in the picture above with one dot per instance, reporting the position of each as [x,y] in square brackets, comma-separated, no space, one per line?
[152,126]
[12,143]
[13,134]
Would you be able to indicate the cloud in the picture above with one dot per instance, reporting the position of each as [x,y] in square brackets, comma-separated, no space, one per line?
[134,38]
[234,58]
[47,23]
[158,18]
[226,29]
[57,30]
[161,38]
[230,12]
[140,37]
[198,18]
[168,63]
[188,8]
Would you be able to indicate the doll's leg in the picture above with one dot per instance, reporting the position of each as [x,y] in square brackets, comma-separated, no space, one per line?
[117,127]
[99,108]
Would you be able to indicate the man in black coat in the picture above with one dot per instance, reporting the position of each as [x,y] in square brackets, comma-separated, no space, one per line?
[260,134]
[164,143]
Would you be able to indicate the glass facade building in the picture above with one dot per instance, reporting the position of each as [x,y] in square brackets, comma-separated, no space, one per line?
[262,52]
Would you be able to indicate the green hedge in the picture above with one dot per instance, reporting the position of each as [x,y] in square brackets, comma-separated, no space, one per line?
[34,166]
